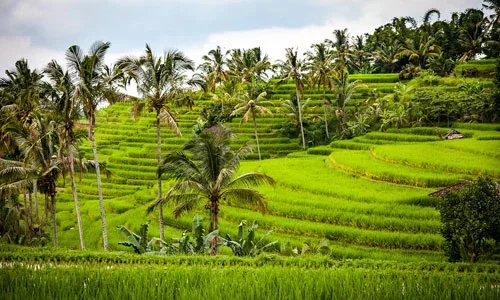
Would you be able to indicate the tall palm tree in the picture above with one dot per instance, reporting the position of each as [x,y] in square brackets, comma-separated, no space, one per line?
[207,175]
[21,94]
[214,67]
[360,54]
[92,88]
[38,145]
[293,69]
[252,107]
[23,87]
[321,69]
[248,66]
[160,81]
[474,34]
[341,47]
[66,112]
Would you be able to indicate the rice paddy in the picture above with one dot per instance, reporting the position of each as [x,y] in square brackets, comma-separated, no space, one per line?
[367,197]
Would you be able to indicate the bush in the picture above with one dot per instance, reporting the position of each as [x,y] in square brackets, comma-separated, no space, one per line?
[409,72]
[471,221]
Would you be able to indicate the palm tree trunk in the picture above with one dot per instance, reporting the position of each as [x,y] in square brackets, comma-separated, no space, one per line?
[99,184]
[25,212]
[75,195]
[30,210]
[54,220]
[214,225]
[158,156]
[300,118]
[256,135]
[46,209]
[35,194]
[324,111]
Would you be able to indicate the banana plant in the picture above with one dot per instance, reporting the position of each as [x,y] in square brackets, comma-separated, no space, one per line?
[139,242]
[246,243]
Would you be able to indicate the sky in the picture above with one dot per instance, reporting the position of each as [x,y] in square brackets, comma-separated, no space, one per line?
[42,30]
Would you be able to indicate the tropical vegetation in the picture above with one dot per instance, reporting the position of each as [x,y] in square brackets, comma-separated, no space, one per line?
[346,145]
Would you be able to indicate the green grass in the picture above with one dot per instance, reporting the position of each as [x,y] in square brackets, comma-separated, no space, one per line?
[192,280]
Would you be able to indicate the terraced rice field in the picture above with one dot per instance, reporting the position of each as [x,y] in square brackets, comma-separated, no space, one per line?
[367,196]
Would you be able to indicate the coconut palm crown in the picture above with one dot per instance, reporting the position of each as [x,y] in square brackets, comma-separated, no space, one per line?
[207,175]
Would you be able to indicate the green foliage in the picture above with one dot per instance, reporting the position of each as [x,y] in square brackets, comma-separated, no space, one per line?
[471,221]
[409,72]
[139,242]
[246,243]
[441,66]
[215,114]
[202,243]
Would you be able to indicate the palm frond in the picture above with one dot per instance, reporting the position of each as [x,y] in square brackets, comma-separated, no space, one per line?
[246,196]
[249,179]
[167,117]
[188,203]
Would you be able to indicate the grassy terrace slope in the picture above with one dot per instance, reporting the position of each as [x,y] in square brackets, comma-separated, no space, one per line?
[367,196]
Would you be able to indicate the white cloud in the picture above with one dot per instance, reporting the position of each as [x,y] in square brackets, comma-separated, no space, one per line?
[56,18]
[15,48]
[372,14]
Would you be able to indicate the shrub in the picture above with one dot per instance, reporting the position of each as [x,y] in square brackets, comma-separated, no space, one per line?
[409,72]
[471,220]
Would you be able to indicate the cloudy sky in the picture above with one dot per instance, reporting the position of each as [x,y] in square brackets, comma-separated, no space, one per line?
[41,30]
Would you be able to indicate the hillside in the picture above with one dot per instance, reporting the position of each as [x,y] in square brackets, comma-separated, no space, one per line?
[366,196]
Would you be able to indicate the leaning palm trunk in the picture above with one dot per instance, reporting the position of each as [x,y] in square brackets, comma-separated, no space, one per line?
[300,118]
[256,135]
[158,153]
[99,185]
[324,111]
[75,195]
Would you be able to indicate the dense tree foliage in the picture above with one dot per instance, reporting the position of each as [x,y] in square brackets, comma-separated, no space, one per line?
[471,221]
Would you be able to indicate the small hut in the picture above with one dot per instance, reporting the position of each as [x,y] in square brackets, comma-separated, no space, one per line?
[453,134]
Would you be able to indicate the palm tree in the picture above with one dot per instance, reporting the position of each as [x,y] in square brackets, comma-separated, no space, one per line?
[293,68]
[474,34]
[252,108]
[320,67]
[207,175]
[341,47]
[387,52]
[22,89]
[248,66]
[92,87]
[214,68]
[38,145]
[21,93]
[292,111]
[419,49]
[66,112]
[160,81]
[360,54]
[344,89]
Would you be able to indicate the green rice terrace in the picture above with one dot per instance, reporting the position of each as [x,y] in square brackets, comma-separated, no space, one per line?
[367,199]
[363,167]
